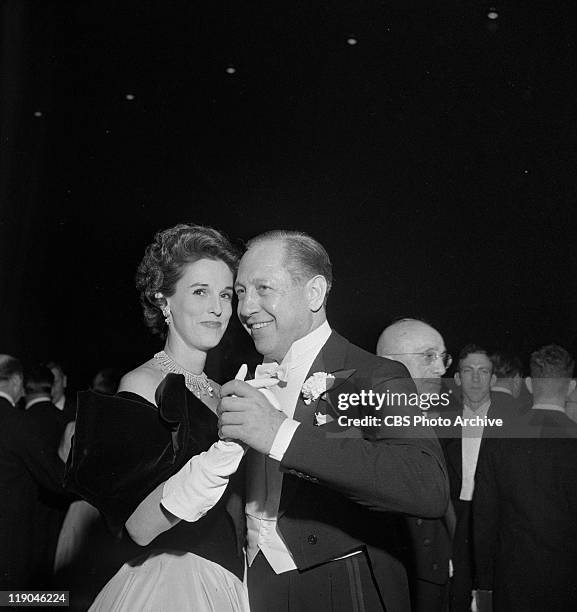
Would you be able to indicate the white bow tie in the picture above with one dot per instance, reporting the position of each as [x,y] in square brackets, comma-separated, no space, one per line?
[272,370]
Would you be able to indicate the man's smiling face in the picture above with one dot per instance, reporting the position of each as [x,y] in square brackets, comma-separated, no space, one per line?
[273,307]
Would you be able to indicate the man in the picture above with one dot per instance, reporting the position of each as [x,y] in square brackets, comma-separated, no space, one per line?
[421,349]
[60,398]
[321,508]
[571,406]
[27,463]
[506,392]
[526,499]
[39,405]
[106,381]
[475,378]
[51,507]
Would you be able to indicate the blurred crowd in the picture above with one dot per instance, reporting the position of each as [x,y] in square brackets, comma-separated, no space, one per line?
[48,538]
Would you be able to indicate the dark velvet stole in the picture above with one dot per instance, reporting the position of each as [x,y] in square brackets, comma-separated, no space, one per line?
[125,446]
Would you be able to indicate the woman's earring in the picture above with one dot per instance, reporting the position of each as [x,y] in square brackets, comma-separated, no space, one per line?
[164,309]
[167,315]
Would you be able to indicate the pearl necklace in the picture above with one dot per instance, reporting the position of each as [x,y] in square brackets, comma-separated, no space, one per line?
[197,383]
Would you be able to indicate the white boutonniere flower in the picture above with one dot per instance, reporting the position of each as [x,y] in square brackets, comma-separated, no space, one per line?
[315,386]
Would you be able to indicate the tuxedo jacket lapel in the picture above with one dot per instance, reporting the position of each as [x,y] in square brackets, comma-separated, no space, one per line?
[330,358]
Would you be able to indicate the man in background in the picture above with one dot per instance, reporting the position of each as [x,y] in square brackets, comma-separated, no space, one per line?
[474,377]
[64,401]
[106,381]
[39,405]
[51,507]
[421,349]
[28,464]
[506,392]
[525,503]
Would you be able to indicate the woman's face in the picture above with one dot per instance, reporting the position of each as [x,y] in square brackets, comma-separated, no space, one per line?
[202,303]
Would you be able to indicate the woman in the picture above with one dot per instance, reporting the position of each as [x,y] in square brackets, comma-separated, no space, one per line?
[150,456]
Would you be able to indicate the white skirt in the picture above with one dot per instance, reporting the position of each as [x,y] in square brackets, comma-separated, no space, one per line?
[169,581]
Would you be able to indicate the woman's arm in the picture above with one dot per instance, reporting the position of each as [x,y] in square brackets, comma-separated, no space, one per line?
[187,495]
[150,518]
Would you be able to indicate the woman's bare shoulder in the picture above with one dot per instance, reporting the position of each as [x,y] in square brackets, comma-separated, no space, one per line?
[143,380]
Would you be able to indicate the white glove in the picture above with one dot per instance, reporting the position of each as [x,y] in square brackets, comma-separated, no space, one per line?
[200,483]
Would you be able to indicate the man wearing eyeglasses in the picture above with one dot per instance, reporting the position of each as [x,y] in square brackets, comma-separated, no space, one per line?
[421,349]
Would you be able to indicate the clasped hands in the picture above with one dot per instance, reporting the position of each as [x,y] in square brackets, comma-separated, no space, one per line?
[246,414]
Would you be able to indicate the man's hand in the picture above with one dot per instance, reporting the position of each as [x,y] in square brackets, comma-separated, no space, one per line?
[246,415]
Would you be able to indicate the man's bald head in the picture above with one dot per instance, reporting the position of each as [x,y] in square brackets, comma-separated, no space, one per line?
[413,343]
[406,335]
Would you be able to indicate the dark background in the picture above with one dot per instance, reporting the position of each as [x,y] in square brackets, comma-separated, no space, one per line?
[435,159]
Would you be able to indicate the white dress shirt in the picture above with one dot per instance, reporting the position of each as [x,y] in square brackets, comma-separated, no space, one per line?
[37,400]
[470,445]
[7,397]
[264,475]
[554,407]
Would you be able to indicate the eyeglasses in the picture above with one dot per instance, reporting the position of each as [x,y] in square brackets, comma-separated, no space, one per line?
[429,357]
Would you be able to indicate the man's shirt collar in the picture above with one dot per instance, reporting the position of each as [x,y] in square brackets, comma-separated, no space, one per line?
[38,400]
[309,344]
[8,397]
[481,410]
[554,407]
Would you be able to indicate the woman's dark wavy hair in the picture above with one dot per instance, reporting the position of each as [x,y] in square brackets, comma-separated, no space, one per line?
[164,260]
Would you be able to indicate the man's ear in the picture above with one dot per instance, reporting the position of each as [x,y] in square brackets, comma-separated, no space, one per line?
[316,289]
[457,378]
[17,383]
[517,382]
[572,386]
[493,380]
[529,384]
[64,381]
